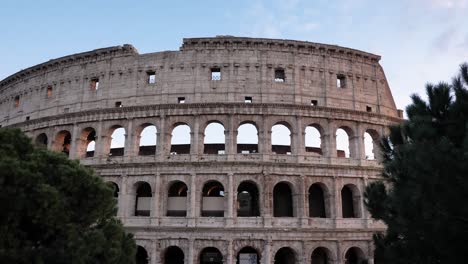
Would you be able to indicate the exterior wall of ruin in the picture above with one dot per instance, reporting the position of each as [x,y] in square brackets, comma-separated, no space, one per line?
[247,69]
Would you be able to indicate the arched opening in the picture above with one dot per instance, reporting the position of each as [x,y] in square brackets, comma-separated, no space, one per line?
[177,199]
[147,144]
[320,255]
[143,199]
[316,201]
[174,255]
[180,140]
[350,200]
[63,142]
[213,199]
[211,255]
[371,147]
[141,255]
[247,200]
[354,255]
[280,139]
[247,138]
[342,143]
[42,140]
[282,200]
[115,189]
[87,143]
[248,255]
[214,141]
[117,145]
[313,141]
[285,255]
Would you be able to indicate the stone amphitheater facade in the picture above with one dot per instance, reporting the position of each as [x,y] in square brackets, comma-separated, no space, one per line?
[229,202]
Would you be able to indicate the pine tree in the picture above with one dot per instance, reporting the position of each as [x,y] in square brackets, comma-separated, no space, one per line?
[53,210]
[423,199]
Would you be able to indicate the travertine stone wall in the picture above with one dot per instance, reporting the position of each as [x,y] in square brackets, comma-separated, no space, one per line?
[55,97]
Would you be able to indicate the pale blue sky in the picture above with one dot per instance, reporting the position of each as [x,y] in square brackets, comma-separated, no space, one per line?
[419,40]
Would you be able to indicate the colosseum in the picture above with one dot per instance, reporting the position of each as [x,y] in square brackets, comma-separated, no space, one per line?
[231,150]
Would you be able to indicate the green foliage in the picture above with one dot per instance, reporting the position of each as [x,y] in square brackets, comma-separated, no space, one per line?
[53,210]
[424,198]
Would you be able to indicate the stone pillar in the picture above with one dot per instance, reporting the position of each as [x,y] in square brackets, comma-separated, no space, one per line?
[156,197]
[329,138]
[129,139]
[230,194]
[339,255]
[161,139]
[192,210]
[196,139]
[301,198]
[230,134]
[75,137]
[360,150]
[154,256]
[266,256]
[299,138]
[337,199]
[125,197]
[191,253]
[230,256]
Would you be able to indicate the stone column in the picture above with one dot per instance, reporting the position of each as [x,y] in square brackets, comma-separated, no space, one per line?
[301,198]
[299,135]
[231,137]
[266,256]
[75,143]
[191,253]
[156,197]
[360,151]
[337,199]
[161,139]
[192,210]
[196,139]
[229,253]
[129,139]
[329,138]
[230,200]
[125,197]
[154,256]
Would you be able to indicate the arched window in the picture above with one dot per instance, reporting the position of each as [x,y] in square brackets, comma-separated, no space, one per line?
[371,147]
[280,139]
[282,200]
[63,142]
[285,255]
[42,140]
[115,188]
[174,255]
[117,145]
[248,255]
[87,145]
[211,255]
[247,200]
[214,141]
[321,255]
[350,201]
[354,255]
[180,140]
[342,143]
[147,144]
[247,138]
[213,199]
[316,201]
[143,199]
[313,141]
[177,199]
[141,255]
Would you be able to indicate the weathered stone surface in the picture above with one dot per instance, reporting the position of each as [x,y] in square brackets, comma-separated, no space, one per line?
[56,97]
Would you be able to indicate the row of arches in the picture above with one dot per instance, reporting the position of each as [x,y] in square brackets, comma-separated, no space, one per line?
[248,202]
[214,140]
[250,255]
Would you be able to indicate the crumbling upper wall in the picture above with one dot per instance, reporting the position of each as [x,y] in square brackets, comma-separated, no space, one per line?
[247,65]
